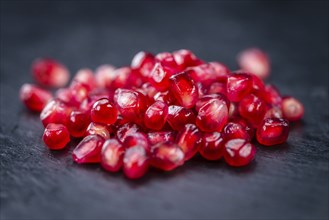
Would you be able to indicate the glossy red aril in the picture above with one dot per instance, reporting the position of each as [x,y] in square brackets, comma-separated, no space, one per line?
[212,146]
[166,97]
[159,76]
[79,91]
[104,112]
[161,136]
[166,156]
[56,136]
[78,123]
[55,112]
[217,87]
[137,138]
[184,89]
[292,109]
[104,75]
[273,131]
[212,115]
[33,97]
[135,162]
[239,152]
[274,112]
[99,129]
[125,130]
[143,62]
[87,77]
[189,140]
[156,115]
[253,109]
[88,150]
[112,155]
[121,79]
[50,73]
[185,58]
[168,60]
[272,95]
[255,61]
[179,116]
[238,86]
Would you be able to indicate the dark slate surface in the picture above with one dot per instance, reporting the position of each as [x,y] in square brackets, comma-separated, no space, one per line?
[285,182]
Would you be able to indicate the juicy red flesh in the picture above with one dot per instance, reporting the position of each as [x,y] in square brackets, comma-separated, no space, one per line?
[239,152]
[33,97]
[273,131]
[56,136]
[161,110]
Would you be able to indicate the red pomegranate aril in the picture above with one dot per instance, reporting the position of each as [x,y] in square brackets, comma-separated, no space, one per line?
[99,129]
[184,89]
[156,115]
[121,79]
[292,109]
[258,86]
[55,112]
[78,123]
[238,86]
[189,140]
[88,150]
[272,131]
[56,136]
[168,60]
[212,146]
[159,77]
[148,90]
[33,97]
[79,92]
[112,155]
[166,156]
[87,77]
[255,61]
[212,115]
[239,152]
[125,130]
[135,162]
[220,70]
[206,98]
[143,62]
[179,116]
[166,97]
[253,109]
[50,73]
[161,137]
[217,87]
[137,138]
[272,95]
[235,130]
[185,58]
[104,112]
[104,75]
[274,112]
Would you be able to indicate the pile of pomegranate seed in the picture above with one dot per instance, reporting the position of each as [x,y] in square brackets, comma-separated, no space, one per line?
[161,110]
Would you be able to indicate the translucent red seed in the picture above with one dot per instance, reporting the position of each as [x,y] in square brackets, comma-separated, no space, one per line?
[99,129]
[137,138]
[161,137]
[239,152]
[189,140]
[253,109]
[273,131]
[78,123]
[212,146]
[112,155]
[238,86]
[179,116]
[103,111]
[156,115]
[292,109]
[135,162]
[56,136]
[88,150]
[33,97]
[55,112]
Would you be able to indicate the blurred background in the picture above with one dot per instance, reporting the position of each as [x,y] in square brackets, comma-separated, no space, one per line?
[290,182]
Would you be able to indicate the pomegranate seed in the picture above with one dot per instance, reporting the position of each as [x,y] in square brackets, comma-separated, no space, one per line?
[238,152]
[238,86]
[189,140]
[144,63]
[86,77]
[212,115]
[88,150]
[78,123]
[221,71]
[235,130]
[156,115]
[104,76]
[131,104]
[217,87]
[179,116]
[55,112]
[137,138]
[292,109]
[161,137]
[56,136]
[79,92]
[125,130]
[273,131]
[50,73]
[33,97]
[233,110]
[148,90]
[253,109]
[168,60]
[104,112]
[206,98]
[272,95]
[135,162]
[159,77]
[99,129]
[258,87]
[185,58]
[184,89]
[121,79]
[166,156]
[255,61]
[64,95]
[166,97]
[274,112]
[112,155]
[212,146]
